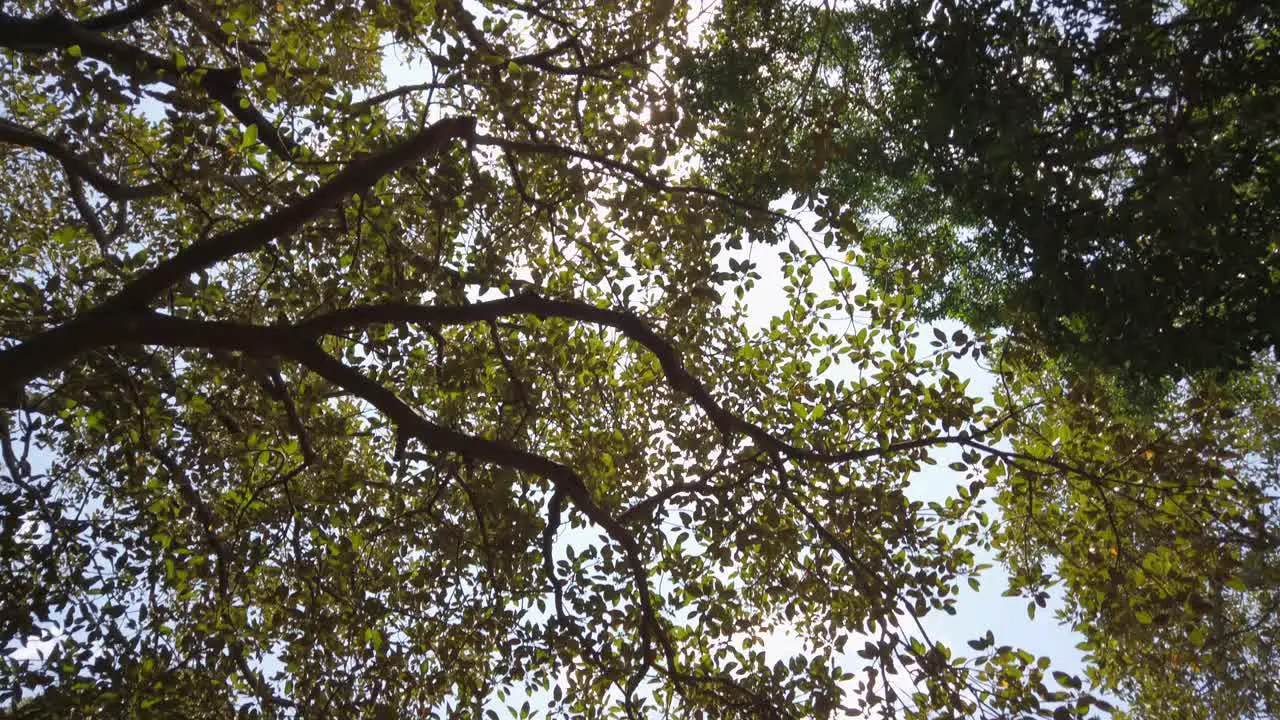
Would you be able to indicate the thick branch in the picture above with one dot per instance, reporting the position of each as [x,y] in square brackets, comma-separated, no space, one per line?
[297,343]
[57,346]
[356,177]
[55,31]
[101,326]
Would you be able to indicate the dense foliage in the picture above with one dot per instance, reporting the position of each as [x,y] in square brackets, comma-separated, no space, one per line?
[1099,181]
[324,395]
[1103,175]
[1161,525]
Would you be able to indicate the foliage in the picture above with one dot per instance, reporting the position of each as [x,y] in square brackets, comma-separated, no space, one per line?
[1104,176]
[1100,181]
[324,396]
[1164,539]
[328,398]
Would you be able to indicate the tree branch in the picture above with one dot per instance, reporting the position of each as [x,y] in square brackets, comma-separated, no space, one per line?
[563,478]
[630,325]
[646,179]
[362,105]
[87,213]
[55,31]
[209,27]
[57,346]
[541,60]
[356,177]
[15,134]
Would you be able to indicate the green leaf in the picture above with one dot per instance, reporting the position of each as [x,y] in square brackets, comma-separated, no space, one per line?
[1067,681]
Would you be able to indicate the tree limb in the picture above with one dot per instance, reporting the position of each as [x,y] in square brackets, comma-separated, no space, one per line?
[357,176]
[15,134]
[55,31]
[646,179]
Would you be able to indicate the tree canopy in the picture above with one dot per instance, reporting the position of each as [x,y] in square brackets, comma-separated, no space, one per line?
[1102,175]
[324,395]
[1160,527]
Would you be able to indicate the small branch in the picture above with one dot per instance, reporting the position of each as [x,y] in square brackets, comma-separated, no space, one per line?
[634,328]
[646,179]
[394,93]
[541,60]
[646,507]
[15,134]
[87,213]
[874,588]
[522,392]
[476,510]
[204,515]
[554,506]
[563,478]
[275,386]
[206,25]
[121,221]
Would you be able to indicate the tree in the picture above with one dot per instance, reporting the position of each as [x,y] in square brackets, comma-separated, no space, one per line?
[328,398]
[1099,175]
[1159,517]
[916,136]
